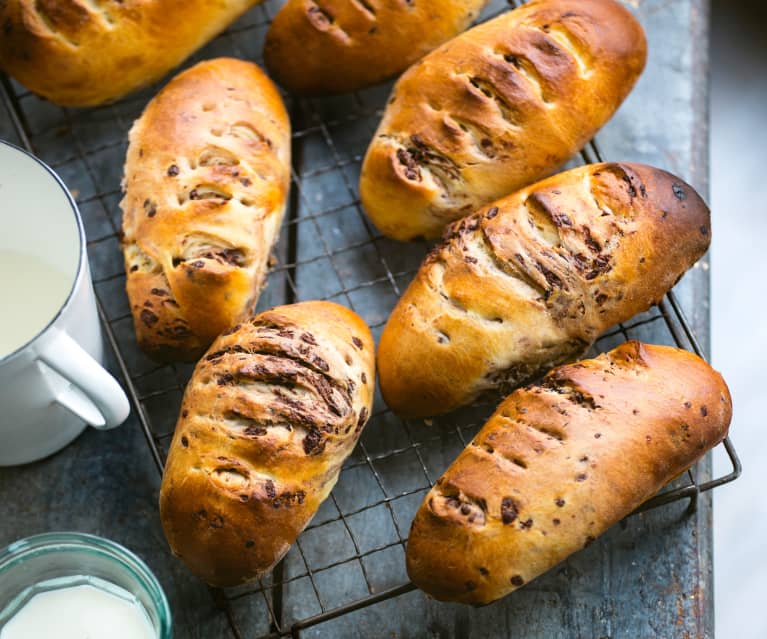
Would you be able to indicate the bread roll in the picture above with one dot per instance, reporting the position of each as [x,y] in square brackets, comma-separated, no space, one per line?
[86,52]
[206,182]
[268,418]
[336,46]
[533,279]
[497,108]
[559,463]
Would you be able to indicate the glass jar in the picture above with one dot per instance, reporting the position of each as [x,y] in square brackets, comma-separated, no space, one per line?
[59,560]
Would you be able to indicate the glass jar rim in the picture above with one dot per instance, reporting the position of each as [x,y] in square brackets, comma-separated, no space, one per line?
[44,543]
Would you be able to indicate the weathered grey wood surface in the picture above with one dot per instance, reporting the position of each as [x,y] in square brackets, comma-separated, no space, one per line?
[648,577]
[7,131]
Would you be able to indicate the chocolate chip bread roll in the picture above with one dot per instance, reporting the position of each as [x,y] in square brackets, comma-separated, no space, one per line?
[336,46]
[533,279]
[87,52]
[268,418]
[496,108]
[560,462]
[206,182]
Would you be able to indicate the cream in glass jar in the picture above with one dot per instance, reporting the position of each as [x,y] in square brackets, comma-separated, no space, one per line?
[95,610]
[71,585]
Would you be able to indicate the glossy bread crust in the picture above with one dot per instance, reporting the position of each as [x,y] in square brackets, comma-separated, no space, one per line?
[532,280]
[337,46]
[559,463]
[206,181]
[84,53]
[496,108]
[268,418]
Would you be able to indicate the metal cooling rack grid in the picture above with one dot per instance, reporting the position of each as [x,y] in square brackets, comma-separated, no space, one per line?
[352,554]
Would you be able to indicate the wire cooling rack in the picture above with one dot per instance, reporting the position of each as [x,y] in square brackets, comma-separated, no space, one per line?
[352,554]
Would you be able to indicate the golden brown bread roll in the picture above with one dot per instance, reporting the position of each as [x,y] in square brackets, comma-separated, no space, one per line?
[559,463]
[268,418]
[84,53]
[206,182]
[533,279]
[336,46]
[496,108]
